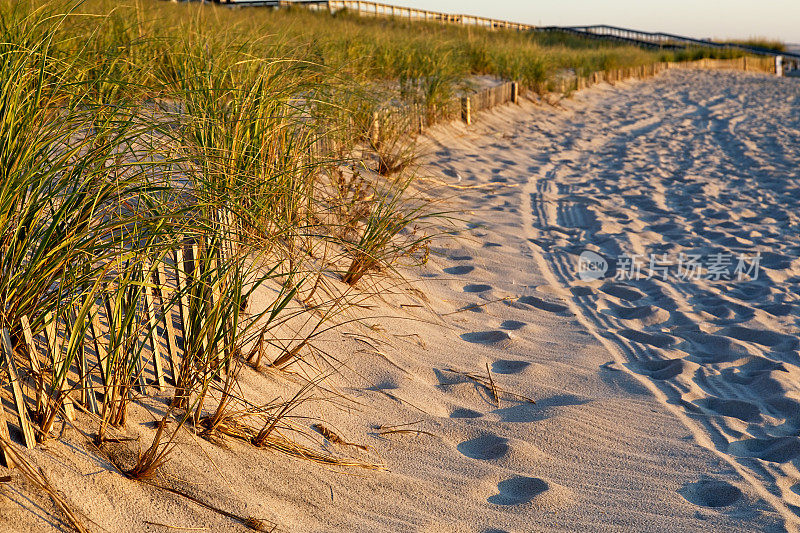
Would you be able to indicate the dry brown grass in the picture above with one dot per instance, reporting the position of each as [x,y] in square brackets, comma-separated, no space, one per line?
[490,386]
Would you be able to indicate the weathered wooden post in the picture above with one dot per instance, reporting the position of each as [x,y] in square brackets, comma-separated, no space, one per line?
[779,65]
[9,463]
[16,390]
[514,92]
[465,110]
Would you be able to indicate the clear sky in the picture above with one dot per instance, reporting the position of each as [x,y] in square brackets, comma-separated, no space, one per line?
[779,19]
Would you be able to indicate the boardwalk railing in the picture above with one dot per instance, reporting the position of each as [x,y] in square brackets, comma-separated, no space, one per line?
[660,40]
[377,9]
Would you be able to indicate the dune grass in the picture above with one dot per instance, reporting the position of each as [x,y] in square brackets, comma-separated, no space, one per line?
[758,42]
[150,180]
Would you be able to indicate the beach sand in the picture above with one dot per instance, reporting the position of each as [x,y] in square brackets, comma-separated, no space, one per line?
[660,405]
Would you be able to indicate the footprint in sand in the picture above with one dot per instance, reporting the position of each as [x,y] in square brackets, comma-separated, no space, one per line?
[772,449]
[459,270]
[714,348]
[477,287]
[781,309]
[711,493]
[512,325]
[658,340]
[542,304]
[507,366]
[622,292]
[383,386]
[487,447]
[486,337]
[463,412]
[525,413]
[745,411]
[770,339]
[581,291]
[660,369]
[518,490]
[646,314]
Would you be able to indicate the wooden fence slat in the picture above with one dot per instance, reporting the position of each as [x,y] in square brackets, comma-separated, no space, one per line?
[166,316]
[33,353]
[16,390]
[183,301]
[54,343]
[6,435]
[211,311]
[88,398]
[199,307]
[152,324]
[140,383]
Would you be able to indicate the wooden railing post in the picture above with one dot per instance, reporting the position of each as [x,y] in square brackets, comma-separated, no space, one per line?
[466,114]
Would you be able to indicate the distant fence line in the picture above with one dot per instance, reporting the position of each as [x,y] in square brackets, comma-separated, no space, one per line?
[510,92]
[664,40]
[377,9]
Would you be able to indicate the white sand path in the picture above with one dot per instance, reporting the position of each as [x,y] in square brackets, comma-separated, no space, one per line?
[694,163]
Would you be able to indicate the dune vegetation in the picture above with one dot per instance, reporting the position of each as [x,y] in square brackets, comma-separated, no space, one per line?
[759,42]
[167,165]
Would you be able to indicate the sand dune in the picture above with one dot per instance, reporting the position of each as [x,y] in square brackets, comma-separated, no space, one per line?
[660,405]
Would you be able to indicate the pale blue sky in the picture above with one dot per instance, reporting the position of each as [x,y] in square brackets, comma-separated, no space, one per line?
[696,18]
